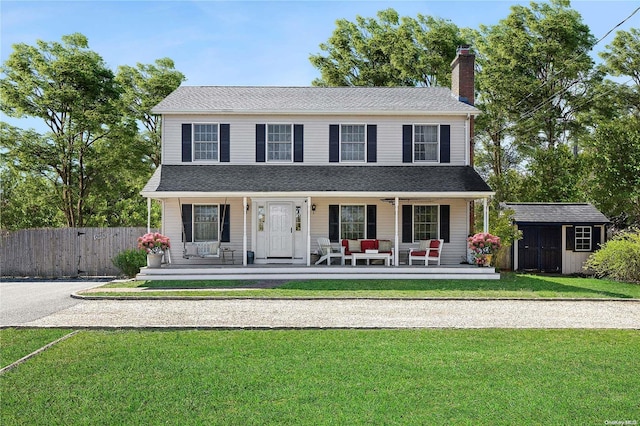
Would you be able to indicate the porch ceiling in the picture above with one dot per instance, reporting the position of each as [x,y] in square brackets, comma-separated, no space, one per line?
[333,180]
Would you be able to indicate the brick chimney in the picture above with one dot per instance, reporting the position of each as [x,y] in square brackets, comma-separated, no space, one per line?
[462,75]
[462,86]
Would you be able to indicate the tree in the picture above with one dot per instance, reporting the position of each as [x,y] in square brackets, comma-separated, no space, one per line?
[143,88]
[388,51]
[611,145]
[534,72]
[71,89]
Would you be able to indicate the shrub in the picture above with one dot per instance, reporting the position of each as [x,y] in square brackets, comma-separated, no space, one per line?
[619,258]
[130,261]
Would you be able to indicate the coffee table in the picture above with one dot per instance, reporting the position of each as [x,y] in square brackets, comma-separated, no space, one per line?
[371,256]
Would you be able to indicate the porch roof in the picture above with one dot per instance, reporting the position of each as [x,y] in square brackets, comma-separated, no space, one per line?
[306,180]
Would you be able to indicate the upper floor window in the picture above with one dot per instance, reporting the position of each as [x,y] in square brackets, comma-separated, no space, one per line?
[205,223]
[279,142]
[583,238]
[425,223]
[205,142]
[352,222]
[352,142]
[425,142]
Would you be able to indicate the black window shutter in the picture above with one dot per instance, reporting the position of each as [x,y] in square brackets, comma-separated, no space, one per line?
[334,143]
[407,143]
[371,222]
[571,238]
[372,143]
[187,224]
[407,224]
[226,223]
[445,223]
[298,143]
[334,223]
[260,142]
[225,141]
[186,143]
[445,143]
[595,238]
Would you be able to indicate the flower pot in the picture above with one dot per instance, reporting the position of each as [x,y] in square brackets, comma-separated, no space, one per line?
[154,260]
[488,262]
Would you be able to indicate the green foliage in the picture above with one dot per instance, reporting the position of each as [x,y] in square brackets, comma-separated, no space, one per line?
[130,261]
[143,88]
[91,165]
[388,51]
[619,258]
[534,71]
[613,156]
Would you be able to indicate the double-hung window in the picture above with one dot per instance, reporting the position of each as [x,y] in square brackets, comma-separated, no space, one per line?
[583,238]
[425,222]
[352,142]
[205,222]
[205,142]
[425,142]
[279,142]
[352,222]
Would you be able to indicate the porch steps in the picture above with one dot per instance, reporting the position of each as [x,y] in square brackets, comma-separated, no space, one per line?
[258,272]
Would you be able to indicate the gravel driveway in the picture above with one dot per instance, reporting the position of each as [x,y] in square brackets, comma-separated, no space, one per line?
[346,313]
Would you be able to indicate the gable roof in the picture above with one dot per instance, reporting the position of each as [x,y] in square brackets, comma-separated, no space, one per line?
[556,213]
[312,100]
[264,179]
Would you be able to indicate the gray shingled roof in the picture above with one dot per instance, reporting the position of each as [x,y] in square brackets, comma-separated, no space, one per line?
[320,100]
[295,178]
[556,213]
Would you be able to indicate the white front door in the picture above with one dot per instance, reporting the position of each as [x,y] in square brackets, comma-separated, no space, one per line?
[280,230]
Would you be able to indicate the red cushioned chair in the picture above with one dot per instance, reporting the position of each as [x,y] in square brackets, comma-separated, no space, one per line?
[429,250]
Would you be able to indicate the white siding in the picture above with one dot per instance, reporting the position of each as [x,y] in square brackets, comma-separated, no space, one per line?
[573,261]
[453,252]
[316,136]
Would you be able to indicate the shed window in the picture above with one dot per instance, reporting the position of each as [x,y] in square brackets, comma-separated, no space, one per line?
[583,238]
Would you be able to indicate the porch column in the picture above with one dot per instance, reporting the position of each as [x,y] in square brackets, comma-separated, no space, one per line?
[396,252]
[485,205]
[148,215]
[309,231]
[244,230]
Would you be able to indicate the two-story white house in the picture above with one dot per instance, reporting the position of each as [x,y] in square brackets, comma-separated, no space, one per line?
[266,171]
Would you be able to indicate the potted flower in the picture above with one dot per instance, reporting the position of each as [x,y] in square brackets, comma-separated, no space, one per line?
[483,245]
[155,245]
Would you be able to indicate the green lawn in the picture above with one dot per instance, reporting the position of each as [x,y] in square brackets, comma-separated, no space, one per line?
[510,286]
[15,344]
[316,377]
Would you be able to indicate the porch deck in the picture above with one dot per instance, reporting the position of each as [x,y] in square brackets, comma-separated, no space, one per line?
[296,272]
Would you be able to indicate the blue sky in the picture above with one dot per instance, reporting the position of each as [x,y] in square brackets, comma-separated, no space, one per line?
[241,42]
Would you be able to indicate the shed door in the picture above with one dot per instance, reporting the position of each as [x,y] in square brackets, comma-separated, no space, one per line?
[540,248]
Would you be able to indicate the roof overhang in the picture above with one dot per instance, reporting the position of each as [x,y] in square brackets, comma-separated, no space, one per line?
[264,180]
[318,194]
[411,113]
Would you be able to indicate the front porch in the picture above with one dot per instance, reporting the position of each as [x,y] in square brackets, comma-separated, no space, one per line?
[296,272]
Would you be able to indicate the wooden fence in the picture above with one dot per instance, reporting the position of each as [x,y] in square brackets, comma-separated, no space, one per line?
[64,252]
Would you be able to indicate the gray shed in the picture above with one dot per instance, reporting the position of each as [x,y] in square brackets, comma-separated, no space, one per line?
[556,237]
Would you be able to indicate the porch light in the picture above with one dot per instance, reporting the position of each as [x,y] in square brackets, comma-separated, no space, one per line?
[313,208]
